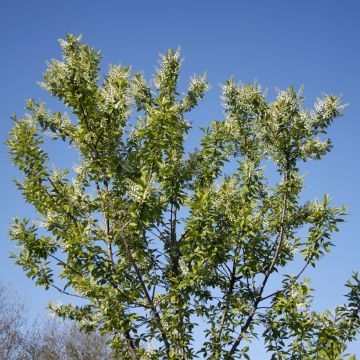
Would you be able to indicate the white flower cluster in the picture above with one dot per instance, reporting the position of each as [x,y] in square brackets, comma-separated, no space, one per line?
[197,89]
[90,323]
[141,91]
[49,219]
[57,71]
[244,98]
[329,106]
[290,100]
[315,149]
[116,89]
[289,248]
[139,193]
[301,306]
[223,196]
[198,84]
[150,349]
[170,65]
[183,266]
[54,308]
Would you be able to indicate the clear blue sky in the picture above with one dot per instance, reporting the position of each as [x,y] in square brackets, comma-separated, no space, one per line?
[278,42]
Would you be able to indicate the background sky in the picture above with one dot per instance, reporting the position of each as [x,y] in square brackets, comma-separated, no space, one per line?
[278,42]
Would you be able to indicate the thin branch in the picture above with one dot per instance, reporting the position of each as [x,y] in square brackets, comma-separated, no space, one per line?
[227,302]
[131,346]
[107,228]
[292,280]
[279,242]
[55,188]
[182,237]
[66,265]
[227,276]
[154,310]
[67,293]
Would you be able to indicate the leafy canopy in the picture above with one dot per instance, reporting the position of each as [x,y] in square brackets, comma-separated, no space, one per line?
[171,255]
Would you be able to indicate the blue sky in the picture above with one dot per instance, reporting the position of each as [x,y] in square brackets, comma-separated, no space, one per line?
[278,42]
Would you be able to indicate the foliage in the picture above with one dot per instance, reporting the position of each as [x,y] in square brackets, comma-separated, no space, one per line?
[157,239]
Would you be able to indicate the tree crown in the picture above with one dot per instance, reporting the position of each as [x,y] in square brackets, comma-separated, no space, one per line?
[155,238]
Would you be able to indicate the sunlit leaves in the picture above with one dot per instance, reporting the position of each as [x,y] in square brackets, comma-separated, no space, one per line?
[156,240]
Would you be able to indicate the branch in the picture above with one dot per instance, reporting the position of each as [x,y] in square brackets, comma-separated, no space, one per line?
[55,188]
[107,225]
[130,345]
[293,280]
[227,302]
[67,293]
[182,237]
[63,263]
[154,310]
[279,242]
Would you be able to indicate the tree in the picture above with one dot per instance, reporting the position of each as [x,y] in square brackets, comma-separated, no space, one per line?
[156,237]
[21,339]
[52,340]
[11,324]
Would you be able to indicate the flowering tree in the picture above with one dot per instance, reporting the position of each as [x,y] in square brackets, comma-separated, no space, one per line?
[156,239]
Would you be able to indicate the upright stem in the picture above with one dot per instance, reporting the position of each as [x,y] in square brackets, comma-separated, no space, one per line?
[226,309]
[279,242]
[107,229]
[151,304]
[130,346]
